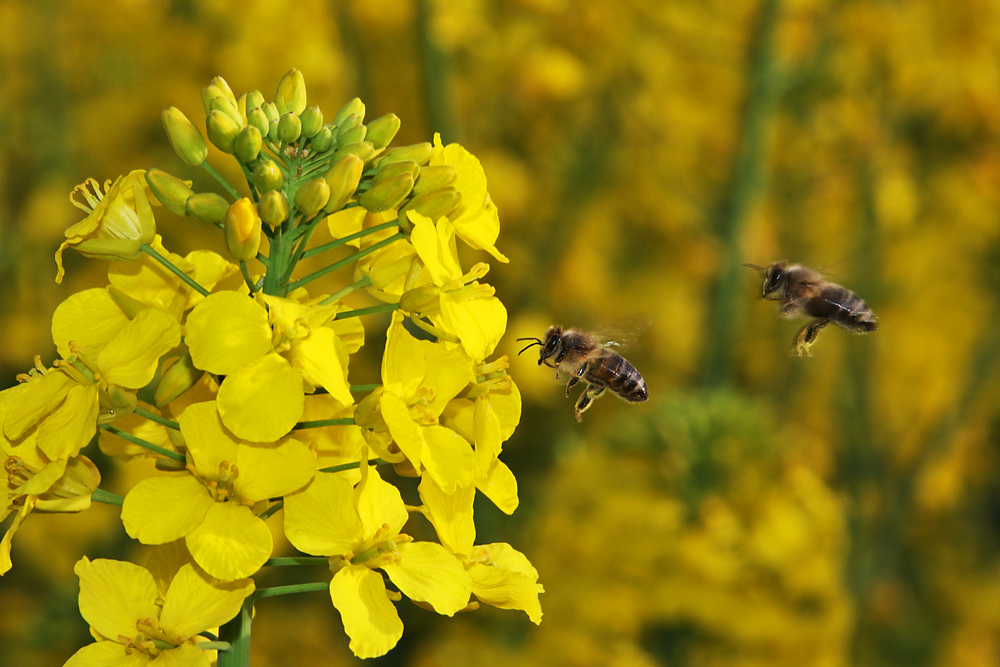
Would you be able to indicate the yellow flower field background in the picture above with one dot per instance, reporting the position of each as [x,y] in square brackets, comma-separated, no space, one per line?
[760,508]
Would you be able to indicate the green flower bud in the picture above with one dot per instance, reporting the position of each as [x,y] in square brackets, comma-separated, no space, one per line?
[395,168]
[419,153]
[185,138]
[353,135]
[383,129]
[355,106]
[254,100]
[258,119]
[242,226]
[291,94]
[312,121]
[131,307]
[121,401]
[222,130]
[323,141]
[363,149]
[221,84]
[432,204]
[268,176]
[289,128]
[170,190]
[349,123]
[343,179]
[433,177]
[227,107]
[177,379]
[272,132]
[207,207]
[273,207]
[271,111]
[425,299]
[312,196]
[387,194]
[247,144]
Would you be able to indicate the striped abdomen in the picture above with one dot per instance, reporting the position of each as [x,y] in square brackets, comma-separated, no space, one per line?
[842,306]
[610,369]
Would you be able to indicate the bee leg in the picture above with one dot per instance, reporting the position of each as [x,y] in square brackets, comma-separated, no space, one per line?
[576,378]
[807,336]
[586,398]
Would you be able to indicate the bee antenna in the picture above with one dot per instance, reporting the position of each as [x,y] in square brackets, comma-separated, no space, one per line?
[535,341]
[755,267]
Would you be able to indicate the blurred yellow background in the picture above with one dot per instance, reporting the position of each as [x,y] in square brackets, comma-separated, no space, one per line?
[760,509]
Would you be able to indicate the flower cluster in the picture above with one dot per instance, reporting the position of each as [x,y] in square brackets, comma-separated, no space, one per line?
[232,373]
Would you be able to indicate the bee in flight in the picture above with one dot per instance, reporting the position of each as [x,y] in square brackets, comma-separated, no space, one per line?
[803,291]
[581,356]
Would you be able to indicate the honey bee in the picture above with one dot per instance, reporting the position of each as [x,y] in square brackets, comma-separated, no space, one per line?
[583,357]
[803,291]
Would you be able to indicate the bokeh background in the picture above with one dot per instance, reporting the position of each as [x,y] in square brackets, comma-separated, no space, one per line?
[760,509]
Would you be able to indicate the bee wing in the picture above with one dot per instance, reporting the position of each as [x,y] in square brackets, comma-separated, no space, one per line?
[623,332]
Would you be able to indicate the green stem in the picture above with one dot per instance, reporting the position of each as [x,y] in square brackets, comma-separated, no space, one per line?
[292,589]
[303,240]
[263,259]
[365,281]
[319,423]
[351,466]
[106,497]
[162,421]
[217,176]
[364,387]
[146,248]
[176,456]
[294,561]
[266,514]
[347,239]
[344,262]
[384,308]
[246,276]
[237,633]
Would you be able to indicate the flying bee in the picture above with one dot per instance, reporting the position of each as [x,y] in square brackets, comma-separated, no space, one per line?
[581,356]
[803,291]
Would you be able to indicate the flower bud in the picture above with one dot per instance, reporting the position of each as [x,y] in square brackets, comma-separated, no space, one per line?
[247,144]
[433,177]
[219,83]
[355,106]
[387,194]
[254,100]
[170,190]
[258,119]
[222,130]
[291,94]
[268,176]
[425,299]
[349,123]
[273,207]
[353,135]
[363,149]
[419,153]
[242,225]
[323,141]
[383,129]
[271,111]
[312,196]
[72,491]
[227,107]
[432,204]
[289,128]
[312,121]
[343,179]
[177,379]
[184,137]
[394,168]
[207,207]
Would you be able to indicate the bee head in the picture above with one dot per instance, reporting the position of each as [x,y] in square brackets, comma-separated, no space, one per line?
[775,276]
[549,345]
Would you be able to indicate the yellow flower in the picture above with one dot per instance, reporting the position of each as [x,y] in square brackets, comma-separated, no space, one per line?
[271,350]
[501,575]
[119,220]
[212,506]
[134,625]
[358,529]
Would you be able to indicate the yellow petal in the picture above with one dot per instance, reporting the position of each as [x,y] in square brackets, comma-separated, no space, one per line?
[404,361]
[210,445]
[131,357]
[407,435]
[8,537]
[32,401]
[435,244]
[500,486]
[90,318]
[481,228]
[448,457]
[451,514]
[227,331]
[321,519]
[269,472]
[263,400]
[479,323]
[164,508]
[193,605]
[70,426]
[318,358]
[114,595]
[370,620]
[509,581]
[427,573]
[507,408]
[379,504]
[487,430]
[231,543]
[112,654]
